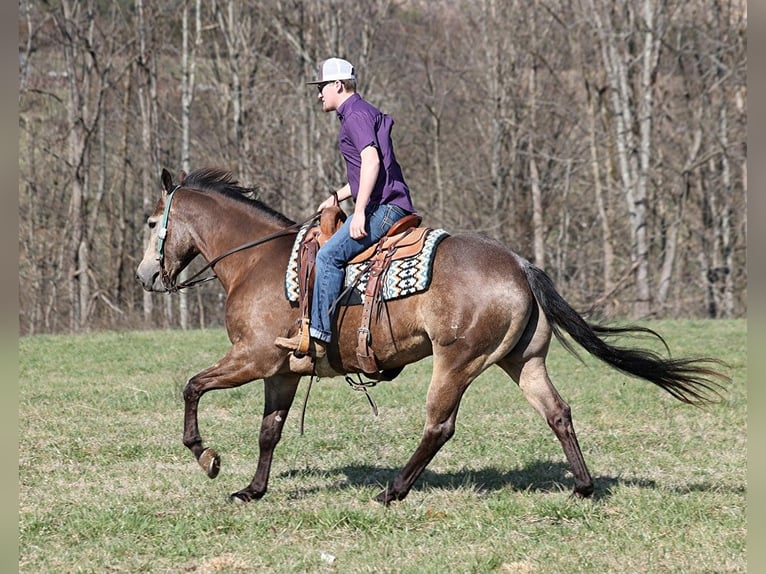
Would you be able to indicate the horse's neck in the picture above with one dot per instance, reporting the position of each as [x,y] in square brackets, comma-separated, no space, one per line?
[222,224]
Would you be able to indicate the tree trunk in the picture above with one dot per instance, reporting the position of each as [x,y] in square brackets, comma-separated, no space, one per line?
[228,22]
[79,66]
[594,103]
[188,69]
[631,64]
[538,223]
[434,108]
[147,98]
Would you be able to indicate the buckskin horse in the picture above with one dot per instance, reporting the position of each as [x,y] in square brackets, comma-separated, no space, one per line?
[485,306]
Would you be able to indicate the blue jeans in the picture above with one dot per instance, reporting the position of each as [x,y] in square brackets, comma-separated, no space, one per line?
[331,263]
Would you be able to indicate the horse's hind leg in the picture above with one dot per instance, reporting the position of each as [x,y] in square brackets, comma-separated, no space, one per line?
[279,394]
[444,394]
[532,378]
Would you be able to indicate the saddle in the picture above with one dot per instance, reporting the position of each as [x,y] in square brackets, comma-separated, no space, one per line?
[404,239]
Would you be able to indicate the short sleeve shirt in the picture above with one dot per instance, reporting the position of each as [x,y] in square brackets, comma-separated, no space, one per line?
[362,125]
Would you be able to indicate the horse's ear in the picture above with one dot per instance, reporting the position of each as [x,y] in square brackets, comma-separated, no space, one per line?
[167,180]
[181,176]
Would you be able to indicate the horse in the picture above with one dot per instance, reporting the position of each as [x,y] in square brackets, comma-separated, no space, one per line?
[486,305]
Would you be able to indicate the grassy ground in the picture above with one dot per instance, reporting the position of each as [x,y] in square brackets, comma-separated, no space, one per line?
[107,486]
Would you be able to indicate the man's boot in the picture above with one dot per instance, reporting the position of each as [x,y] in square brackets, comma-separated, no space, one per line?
[316,347]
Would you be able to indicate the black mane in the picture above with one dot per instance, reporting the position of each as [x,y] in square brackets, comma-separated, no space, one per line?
[223,182]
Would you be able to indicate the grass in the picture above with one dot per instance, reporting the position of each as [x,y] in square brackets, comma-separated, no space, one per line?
[107,486]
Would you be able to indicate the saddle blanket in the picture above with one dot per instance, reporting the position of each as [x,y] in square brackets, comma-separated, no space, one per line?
[404,277]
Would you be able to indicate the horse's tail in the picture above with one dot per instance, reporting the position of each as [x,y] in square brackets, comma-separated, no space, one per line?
[692,381]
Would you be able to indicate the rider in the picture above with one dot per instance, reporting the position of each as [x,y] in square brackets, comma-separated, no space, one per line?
[375,182]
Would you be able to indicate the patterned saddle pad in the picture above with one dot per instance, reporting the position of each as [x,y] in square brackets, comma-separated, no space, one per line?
[404,277]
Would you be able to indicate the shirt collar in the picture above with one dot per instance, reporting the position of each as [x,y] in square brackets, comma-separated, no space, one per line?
[347,103]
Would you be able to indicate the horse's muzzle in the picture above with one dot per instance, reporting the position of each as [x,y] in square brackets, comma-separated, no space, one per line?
[149,277]
[152,284]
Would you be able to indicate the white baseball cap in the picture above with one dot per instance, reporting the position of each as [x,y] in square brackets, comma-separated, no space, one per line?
[334,69]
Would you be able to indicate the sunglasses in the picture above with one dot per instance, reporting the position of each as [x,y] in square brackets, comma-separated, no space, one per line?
[321,86]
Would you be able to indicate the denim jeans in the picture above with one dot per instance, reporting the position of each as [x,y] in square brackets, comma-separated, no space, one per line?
[331,263]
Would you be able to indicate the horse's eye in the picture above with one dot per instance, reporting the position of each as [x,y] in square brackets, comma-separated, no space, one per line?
[151,224]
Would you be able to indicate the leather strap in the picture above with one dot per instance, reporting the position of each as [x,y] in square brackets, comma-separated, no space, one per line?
[306,262]
[381,261]
[364,353]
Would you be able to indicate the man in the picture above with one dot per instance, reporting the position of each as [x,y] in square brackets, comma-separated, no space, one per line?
[375,182]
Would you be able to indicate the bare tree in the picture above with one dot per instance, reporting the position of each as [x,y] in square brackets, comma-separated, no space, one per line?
[630,33]
[245,41]
[726,105]
[538,223]
[606,140]
[85,97]
[594,109]
[499,58]
[189,50]
[146,73]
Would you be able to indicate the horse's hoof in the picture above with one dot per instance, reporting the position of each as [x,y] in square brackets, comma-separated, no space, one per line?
[210,462]
[384,498]
[238,498]
[584,491]
[243,496]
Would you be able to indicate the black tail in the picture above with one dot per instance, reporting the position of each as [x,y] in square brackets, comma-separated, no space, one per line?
[692,381]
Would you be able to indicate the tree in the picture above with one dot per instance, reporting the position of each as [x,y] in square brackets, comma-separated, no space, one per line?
[605,140]
[88,69]
[630,35]
[146,73]
[189,52]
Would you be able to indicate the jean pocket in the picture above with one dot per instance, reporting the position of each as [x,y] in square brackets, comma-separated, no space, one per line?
[392,214]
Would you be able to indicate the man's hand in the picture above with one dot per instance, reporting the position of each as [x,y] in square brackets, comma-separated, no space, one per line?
[329,202]
[356,230]
[341,195]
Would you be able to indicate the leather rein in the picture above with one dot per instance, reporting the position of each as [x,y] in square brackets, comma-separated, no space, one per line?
[196,279]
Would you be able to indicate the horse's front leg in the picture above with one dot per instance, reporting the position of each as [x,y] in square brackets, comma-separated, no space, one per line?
[279,395]
[231,371]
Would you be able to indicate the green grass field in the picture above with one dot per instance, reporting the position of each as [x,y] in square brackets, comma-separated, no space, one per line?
[107,486]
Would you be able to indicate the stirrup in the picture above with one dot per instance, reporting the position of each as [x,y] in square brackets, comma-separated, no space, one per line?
[305,337]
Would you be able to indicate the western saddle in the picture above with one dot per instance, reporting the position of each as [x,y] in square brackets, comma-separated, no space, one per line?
[404,239]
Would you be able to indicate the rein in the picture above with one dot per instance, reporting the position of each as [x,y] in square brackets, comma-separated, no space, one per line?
[195,279]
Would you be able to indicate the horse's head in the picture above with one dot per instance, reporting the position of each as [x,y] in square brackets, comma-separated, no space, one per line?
[169,248]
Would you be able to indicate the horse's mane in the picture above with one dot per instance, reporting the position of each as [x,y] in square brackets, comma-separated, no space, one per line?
[221,181]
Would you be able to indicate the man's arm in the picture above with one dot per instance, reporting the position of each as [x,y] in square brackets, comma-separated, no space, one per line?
[367,178]
[342,194]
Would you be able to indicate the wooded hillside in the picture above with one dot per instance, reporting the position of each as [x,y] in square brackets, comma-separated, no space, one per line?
[603,139]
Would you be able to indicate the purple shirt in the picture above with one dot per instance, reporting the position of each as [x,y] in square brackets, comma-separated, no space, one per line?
[362,125]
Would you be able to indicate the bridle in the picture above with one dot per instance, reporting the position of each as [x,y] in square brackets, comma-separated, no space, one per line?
[197,278]
[162,233]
